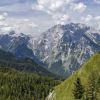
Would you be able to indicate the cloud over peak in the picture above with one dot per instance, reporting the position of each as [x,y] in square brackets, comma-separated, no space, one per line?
[58,9]
[80,7]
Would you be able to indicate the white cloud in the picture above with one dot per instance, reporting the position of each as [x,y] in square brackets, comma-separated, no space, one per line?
[80,7]
[97,18]
[33,25]
[65,17]
[91,20]
[87,19]
[99,27]
[24,25]
[26,20]
[52,4]
[2,23]
[3,16]
[56,6]
[97,1]
[61,18]
[58,9]
[6,29]
[49,5]
[37,7]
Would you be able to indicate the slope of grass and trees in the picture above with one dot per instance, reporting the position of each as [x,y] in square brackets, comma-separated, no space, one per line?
[84,84]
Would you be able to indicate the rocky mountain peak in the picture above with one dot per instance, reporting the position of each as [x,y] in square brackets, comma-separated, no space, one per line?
[62,48]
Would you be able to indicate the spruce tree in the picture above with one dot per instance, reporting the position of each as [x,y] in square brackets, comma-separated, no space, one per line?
[91,88]
[78,89]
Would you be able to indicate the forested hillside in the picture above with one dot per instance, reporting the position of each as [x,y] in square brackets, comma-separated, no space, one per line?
[16,85]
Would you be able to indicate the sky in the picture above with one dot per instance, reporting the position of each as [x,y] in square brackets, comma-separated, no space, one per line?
[36,16]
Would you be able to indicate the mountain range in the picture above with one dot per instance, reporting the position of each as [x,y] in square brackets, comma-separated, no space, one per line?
[61,49]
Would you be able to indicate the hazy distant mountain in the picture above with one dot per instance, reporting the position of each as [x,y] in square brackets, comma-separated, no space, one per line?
[8,60]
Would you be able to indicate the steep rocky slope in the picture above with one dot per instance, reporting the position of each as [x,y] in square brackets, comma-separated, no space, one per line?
[65,47]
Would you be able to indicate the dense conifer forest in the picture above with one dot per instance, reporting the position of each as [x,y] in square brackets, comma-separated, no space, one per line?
[16,85]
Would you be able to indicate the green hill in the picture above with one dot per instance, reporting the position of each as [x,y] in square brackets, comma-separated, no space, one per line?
[64,91]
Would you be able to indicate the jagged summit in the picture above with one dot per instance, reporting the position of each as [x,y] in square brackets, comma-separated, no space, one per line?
[65,47]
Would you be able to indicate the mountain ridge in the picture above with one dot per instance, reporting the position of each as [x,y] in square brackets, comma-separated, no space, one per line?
[9,60]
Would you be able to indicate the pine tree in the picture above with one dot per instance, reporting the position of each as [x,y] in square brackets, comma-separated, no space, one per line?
[91,89]
[78,89]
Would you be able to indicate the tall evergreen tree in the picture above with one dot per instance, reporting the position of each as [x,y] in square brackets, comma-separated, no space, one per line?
[91,88]
[78,89]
